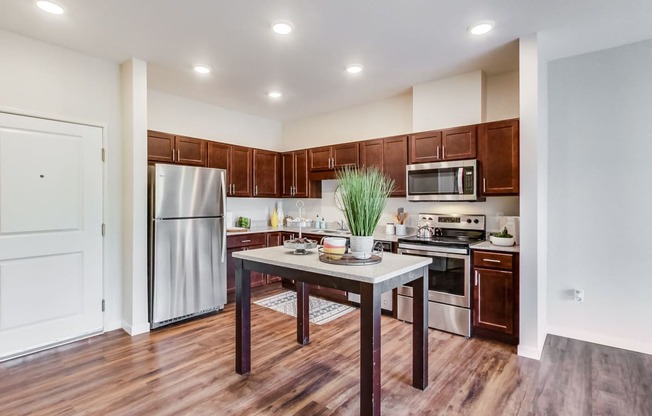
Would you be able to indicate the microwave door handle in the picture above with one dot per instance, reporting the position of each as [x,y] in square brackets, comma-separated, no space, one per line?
[460,180]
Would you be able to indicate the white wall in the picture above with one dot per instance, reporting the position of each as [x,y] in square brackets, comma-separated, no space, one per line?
[502,96]
[389,117]
[48,81]
[174,114]
[599,197]
[450,102]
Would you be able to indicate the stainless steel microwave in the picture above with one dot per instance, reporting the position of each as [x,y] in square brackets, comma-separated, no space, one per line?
[443,181]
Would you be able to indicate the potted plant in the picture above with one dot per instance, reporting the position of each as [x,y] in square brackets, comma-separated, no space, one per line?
[364,193]
[502,238]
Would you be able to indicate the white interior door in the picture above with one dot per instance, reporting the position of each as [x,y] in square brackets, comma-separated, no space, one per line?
[50,233]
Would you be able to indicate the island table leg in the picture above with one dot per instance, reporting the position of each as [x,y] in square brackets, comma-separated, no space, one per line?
[303,312]
[242,318]
[420,332]
[369,349]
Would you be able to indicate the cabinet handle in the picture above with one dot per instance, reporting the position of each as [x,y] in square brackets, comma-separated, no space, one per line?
[484,184]
[437,152]
[173,155]
[491,260]
[178,155]
[245,241]
[443,152]
[255,190]
[477,274]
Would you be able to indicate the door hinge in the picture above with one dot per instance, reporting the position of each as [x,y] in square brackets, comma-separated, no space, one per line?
[102,305]
[103,154]
[103,229]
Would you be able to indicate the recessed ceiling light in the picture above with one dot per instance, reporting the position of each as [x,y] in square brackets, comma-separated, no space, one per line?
[49,7]
[354,69]
[275,94]
[481,28]
[202,69]
[282,28]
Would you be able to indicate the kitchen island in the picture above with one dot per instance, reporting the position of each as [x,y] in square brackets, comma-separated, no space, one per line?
[369,281]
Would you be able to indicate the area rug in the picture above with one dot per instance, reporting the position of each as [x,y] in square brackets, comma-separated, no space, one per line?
[321,310]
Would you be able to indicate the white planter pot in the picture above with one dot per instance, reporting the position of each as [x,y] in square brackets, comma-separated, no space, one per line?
[361,246]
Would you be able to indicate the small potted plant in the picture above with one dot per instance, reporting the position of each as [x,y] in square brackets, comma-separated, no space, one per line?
[502,238]
[364,193]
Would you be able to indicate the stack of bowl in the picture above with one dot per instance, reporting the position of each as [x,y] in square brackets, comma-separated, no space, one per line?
[334,247]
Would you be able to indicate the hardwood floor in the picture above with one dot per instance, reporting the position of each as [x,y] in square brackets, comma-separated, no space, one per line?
[188,369]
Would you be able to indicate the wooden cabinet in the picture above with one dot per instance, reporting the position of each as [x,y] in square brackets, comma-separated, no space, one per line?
[237,161]
[495,295]
[295,174]
[440,145]
[273,240]
[332,157]
[169,148]
[240,243]
[498,157]
[390,155]
[266,172]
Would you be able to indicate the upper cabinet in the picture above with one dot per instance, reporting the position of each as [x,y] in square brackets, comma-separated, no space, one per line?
[237,162]
[266,171]
[164,147]
[439,145]
[294,180]
[332,157]
[498,157]
[390,155]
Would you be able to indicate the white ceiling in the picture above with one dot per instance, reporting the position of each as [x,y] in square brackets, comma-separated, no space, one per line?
[400,43]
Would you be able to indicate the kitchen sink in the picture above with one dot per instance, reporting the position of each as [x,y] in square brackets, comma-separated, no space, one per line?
[329,231]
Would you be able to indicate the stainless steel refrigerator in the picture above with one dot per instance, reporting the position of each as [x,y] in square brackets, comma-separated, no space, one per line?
[187,242]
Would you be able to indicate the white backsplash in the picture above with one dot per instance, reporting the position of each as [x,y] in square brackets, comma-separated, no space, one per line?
[260,209]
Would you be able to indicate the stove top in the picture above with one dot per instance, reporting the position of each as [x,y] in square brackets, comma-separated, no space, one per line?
[447,230]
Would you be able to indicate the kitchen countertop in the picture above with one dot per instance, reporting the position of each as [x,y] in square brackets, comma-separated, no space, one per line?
[378,235]
[486,245]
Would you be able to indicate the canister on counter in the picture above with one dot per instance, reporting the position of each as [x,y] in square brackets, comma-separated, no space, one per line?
[389,228]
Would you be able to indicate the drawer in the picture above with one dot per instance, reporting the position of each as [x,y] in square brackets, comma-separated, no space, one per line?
[245,240]
[493,260]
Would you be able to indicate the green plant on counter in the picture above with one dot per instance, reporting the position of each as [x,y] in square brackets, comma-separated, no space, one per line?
[364,197]
[503,234]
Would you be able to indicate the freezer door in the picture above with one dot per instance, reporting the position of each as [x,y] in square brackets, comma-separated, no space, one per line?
[189,268]
[187,191]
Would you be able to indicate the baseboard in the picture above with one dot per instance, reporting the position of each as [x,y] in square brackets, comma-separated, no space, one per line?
[112,326]
[609,341]
[135,330]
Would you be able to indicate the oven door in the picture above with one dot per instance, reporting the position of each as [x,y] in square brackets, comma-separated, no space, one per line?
[449,277]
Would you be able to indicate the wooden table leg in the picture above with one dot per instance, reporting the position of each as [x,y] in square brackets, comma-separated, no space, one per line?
[369,349]
[303,312]
[242,318]
[420,331]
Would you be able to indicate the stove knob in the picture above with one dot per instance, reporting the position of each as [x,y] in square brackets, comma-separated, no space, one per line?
[475,221]
[469,220]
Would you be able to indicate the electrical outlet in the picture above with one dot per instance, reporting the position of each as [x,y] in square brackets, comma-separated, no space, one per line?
[579,295]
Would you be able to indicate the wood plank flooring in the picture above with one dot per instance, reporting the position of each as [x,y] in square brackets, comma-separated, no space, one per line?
[188,369]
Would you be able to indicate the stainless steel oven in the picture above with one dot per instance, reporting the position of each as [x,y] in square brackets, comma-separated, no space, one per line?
[449,275]
[442,181]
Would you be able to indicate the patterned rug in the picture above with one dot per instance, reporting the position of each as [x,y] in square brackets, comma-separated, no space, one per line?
[321,310]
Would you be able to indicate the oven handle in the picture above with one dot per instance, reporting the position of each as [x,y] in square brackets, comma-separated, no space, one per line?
[433,254]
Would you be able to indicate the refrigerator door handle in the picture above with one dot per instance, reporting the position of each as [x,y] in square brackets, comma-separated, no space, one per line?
[224,227]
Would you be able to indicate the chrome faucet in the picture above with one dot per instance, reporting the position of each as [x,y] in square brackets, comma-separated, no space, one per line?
[342,224]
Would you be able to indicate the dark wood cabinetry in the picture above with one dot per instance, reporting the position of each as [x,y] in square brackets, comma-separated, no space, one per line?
[240,243]
[237,161]
[495,295]
[390,155]
[273,240]
[266,172]
[295,174]
[498,157]
[332,157]
[439,145]
[169,148]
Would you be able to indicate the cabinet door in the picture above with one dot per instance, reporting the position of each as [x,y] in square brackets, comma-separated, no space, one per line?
[218,156]
[494,300]
[274,240]
[458,143]
[499,157]
[395,157]
[287,174]
[160,147]
[240,166]
[190,151]
[425,147]
[346,154]
[266,170]
[301,186]
[371,153]
[320,158]
[257,278]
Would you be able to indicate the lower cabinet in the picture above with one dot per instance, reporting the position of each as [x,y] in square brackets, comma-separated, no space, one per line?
[273,240]
[240,243]
[496,295]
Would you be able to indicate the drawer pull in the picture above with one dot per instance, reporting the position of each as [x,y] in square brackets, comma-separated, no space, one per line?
[491,260]
[245,241]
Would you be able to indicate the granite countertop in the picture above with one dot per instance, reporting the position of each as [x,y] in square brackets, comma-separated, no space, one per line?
[486,245]
[378,235]
[391,266]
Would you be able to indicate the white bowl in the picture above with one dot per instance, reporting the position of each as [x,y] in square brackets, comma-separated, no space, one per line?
[501,241]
